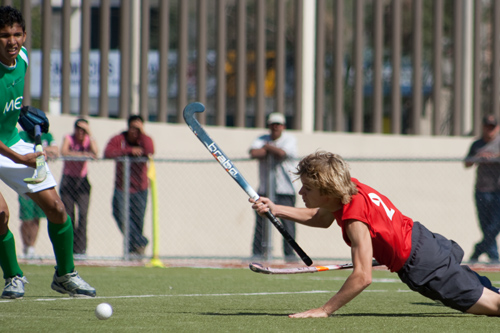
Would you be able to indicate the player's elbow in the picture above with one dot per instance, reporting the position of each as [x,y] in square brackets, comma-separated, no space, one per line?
[367,281]
[364,279]
[325,224]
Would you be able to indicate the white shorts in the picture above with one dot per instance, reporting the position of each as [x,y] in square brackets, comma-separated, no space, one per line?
[13,174]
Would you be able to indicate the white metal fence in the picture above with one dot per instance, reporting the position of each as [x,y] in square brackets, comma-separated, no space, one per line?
[204,214]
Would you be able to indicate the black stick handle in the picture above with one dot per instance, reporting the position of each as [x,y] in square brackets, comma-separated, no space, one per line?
[305,258]
[38,135]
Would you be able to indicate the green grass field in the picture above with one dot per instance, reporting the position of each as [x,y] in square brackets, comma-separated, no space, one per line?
[226,300]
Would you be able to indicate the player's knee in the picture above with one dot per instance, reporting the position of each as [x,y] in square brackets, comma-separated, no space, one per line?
[56,212]
[4,220]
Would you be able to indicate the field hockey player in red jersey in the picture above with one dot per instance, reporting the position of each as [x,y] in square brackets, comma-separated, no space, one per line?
[373,227]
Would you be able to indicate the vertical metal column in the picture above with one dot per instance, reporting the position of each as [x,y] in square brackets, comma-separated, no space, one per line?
[201,52]
[416,101]
[271,194]
[46,50]
[319,93]
[280,57]
[377,83]
[84,59]
[241,64]
[478,98]
[308,66]
[396,68]
[436,65]
[182,59]
[495,68]
[135,56]
[457,67]
[126,207]
[162,78]
[124,103]
[260,64]
[26,10]
[65,55]
[104,37]
[338,68]
[143,72]
[357,117]
[297,119]
[220,103]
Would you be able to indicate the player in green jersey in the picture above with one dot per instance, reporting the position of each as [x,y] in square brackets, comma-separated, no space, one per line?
[17,160]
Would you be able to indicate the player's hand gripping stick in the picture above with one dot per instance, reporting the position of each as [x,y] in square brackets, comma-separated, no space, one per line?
[40,172]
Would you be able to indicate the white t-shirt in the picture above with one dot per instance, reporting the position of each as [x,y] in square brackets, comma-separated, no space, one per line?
[283,169]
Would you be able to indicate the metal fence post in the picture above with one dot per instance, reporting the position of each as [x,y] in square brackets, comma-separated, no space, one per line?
[271,189]
[126,207]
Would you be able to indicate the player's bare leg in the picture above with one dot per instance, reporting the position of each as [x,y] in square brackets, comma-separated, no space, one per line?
[29,233]
[488,304]
[4,216]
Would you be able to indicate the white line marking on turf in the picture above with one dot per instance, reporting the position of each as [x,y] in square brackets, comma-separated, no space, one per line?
[338,278]
[188,295]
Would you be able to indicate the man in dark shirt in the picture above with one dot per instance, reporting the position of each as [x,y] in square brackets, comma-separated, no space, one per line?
[485,153]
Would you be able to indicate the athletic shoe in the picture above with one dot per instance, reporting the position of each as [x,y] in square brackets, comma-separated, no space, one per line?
[29,252]
[72,284]
[80,256]
[14,287]
[474,260]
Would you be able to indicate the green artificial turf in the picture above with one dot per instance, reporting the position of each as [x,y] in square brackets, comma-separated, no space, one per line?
[227,300]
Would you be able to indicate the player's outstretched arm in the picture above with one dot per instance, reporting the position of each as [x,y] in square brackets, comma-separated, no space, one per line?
[360,278]
[312,217]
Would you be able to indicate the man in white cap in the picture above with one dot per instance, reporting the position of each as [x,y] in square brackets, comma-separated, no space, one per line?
[276,153]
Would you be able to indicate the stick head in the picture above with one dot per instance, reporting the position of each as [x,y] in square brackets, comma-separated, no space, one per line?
[258,268]
[191,109]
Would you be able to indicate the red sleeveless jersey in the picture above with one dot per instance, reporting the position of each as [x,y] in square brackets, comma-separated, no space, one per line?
[389,229]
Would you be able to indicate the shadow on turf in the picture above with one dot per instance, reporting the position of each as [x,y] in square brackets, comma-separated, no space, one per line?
[243,314]
[413,315]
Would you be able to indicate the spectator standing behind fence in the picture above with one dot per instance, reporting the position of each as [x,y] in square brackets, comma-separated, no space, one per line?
[75,186]
[136,144]
[29,212]
[276,152]
[487,188]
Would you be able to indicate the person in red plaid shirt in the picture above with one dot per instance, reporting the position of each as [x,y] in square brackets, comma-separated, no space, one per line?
[137,145]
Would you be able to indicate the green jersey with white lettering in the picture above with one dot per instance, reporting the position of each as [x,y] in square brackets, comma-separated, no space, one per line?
[11,97]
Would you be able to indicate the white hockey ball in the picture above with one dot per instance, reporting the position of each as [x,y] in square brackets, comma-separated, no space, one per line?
[103,311]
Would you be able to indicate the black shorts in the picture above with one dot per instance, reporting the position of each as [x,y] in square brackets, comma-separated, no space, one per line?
[434,270]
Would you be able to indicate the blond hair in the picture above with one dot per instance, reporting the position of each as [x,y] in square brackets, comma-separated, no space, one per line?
[329,173]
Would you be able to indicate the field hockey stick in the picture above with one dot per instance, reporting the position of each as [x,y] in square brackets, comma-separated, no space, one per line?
[41,171]
[259,268]
[226,163]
